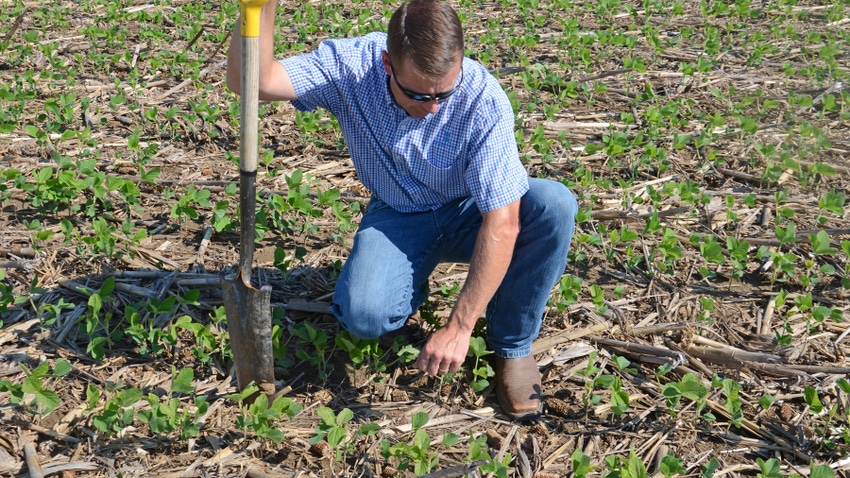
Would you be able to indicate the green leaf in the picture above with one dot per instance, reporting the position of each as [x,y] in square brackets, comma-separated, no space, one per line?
[450,439]
[61,368]
[477,347]
[604,381]
[336,435]
[49,399]
[260,406]
[581,464]
[44,235]
[692,388]
[786,235]
[709,468]
[421,440]
[766,401]
[92,396]
[149,175]
[621,362]
[810,395]
[43,175]
[245,393]
[620,401]
[824,169]
[820,243]
[419,420]
[182,382]
[370,428]
[133,140]
[591,148]
[634,467]
[107,288]
[712,251]
[41,370]
[671,465]
[95,347]
[769,468]
[843,384]
[101,423]
[479,385]
[128,397]
[32,385]
[327,415]
[345,415]
[87,167]
[822,471]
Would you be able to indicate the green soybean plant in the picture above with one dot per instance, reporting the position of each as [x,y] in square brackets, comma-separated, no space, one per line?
[334,428]
[167,414]
[260,416]
[481,370]
[689,387]
[362,352]
[415,454]
[117,412]
[33,392]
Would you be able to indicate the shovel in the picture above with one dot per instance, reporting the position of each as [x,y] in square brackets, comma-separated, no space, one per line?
[248,309]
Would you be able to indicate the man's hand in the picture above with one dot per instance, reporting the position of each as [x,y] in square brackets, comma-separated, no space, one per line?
[444,351]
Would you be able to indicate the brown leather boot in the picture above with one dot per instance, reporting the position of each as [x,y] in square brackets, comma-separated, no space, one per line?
[518,387]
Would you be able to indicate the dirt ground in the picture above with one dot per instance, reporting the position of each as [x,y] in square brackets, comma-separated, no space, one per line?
[671,322]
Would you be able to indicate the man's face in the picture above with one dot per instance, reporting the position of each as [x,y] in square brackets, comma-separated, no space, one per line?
[406,77]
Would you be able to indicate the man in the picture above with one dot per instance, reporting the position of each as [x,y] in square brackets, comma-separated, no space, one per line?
[431,135]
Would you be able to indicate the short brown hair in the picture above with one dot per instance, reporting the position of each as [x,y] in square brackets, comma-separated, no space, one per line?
[429,33]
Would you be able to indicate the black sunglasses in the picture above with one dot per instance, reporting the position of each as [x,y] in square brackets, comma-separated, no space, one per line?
[423,98]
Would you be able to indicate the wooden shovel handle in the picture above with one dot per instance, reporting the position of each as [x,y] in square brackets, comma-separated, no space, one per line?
[248,132]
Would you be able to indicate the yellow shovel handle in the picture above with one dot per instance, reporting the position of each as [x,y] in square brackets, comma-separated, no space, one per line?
[251,17]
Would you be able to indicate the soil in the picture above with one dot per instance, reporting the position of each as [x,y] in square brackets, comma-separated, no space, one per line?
[655,318]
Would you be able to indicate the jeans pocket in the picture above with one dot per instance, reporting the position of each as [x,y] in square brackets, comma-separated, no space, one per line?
[375,204]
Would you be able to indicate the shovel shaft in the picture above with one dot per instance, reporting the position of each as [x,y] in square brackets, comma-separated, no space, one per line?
[248,153]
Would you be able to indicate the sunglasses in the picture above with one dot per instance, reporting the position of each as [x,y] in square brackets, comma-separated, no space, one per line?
[422,97]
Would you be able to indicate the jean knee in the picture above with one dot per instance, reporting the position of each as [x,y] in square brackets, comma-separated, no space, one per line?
[361,318]
[555,204]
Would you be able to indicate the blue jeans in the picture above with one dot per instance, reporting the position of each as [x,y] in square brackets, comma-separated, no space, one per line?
[385,278]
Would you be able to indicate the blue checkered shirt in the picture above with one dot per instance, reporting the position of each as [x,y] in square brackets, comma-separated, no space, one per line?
[466,149]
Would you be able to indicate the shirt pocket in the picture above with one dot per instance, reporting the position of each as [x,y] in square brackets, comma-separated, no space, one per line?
[443,175]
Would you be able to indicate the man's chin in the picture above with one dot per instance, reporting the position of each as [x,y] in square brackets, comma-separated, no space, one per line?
[416,113]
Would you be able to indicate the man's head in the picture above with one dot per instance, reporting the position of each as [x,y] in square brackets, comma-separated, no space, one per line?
[429,34]
[424,54]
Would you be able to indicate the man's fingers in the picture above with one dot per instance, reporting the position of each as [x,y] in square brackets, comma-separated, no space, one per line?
[435,366]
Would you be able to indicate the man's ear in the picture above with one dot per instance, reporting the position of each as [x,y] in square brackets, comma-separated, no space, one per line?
[385,59]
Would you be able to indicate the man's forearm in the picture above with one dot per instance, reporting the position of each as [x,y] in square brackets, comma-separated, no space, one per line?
[490,260]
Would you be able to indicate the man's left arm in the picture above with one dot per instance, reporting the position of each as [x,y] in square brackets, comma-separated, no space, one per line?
[446,349]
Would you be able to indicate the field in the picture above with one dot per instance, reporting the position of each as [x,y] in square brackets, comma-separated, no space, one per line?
[699,330]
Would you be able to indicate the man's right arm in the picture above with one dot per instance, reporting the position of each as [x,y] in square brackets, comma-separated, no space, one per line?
[275,84]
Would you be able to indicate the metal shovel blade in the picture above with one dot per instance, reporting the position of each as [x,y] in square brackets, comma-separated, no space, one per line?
[249,323]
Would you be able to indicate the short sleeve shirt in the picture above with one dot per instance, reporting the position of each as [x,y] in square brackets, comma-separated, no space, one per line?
[466,149]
